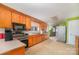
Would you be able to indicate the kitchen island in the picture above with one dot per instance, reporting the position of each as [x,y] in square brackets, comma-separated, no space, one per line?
[14,47]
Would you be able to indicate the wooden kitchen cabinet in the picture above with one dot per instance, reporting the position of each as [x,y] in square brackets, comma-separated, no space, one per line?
[17,51]
[77,44]
[43,26]
[40,26]
[7,24]
[15,17]
[22,19]
[30,41]
[39,38]
[5,14]
[28,22]
[5,18]
[18,18]
[34,39]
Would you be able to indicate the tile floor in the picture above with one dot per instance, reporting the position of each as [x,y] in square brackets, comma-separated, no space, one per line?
[51,47]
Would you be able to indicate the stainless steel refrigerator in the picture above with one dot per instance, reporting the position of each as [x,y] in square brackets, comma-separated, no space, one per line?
[61,33]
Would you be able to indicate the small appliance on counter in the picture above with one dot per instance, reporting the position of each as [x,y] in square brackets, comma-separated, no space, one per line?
[8,35]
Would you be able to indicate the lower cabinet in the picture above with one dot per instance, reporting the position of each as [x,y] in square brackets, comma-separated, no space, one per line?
[30,41]
[35,39]
[77,44]
[17,51]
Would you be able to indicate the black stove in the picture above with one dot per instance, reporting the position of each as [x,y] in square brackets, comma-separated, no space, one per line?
[22,37]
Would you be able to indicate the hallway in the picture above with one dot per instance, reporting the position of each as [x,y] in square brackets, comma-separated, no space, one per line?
[51,47]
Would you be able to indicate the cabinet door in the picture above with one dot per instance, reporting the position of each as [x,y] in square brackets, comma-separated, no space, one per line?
[5,18]
[7,24]
[5,14]
[34,39]
[22,19]
[40,38]
[30,42]
[28,23]
[40,26]
[43,26]
[15,17]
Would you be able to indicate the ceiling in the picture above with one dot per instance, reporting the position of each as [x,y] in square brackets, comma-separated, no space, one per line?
[51,13]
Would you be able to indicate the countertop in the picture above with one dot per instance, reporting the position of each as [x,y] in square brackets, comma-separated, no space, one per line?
[10,45]
[37,34]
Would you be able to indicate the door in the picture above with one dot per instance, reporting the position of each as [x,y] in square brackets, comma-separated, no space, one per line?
[72,31]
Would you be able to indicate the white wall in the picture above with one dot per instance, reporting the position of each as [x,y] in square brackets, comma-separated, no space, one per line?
[72,31]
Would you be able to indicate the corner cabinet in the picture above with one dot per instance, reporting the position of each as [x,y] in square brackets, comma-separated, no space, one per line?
[28,23]
[5,18]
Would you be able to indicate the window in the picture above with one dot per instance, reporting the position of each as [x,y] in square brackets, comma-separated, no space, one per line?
[34,28]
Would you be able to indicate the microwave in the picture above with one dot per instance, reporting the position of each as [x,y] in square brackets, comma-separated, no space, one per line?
[17,26]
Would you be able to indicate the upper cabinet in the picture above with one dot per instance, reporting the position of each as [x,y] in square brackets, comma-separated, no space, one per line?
[5,17]
[15,17]
[43,26]
[28,22]
[22,19]
[18,18]
[9,16]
